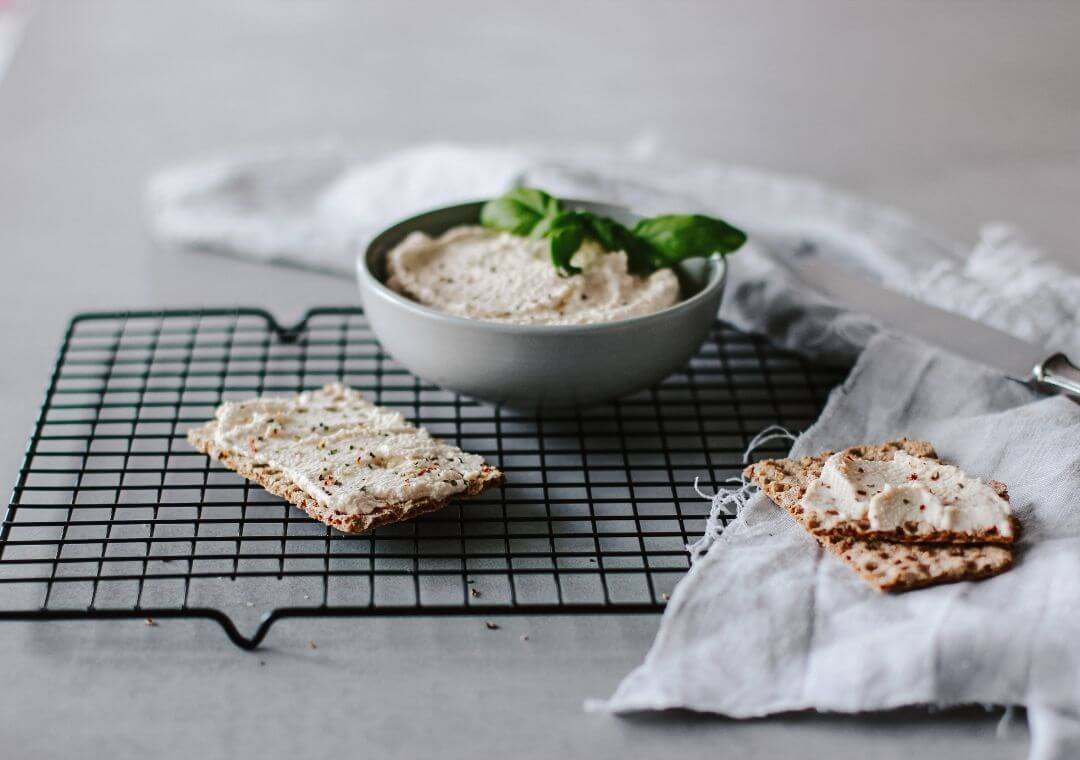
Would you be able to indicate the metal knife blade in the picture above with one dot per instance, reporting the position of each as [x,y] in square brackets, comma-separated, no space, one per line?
[1011,356]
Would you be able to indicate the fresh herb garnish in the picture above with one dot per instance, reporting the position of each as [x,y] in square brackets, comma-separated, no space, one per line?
[566,232]
[519,211]
[674,237]
[660,241]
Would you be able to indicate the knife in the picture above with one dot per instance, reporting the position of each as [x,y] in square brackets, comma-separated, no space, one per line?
[1022,361]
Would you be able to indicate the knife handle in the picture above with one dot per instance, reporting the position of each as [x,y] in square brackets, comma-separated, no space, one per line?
[1060,374]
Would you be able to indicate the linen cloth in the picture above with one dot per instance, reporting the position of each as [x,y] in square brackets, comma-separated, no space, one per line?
[764,621]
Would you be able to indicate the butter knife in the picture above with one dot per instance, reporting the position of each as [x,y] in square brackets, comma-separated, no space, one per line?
[1015,358]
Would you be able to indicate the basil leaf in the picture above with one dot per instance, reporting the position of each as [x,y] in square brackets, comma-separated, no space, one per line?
[566,234]
[544,227]
[657,242]
[536,200]
[616,237]
[607,232]
[674,237]
[519,211]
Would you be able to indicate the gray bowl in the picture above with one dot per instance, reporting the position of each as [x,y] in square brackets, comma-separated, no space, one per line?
[536,366]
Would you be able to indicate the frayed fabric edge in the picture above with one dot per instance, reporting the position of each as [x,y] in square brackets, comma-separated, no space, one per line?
[732,495]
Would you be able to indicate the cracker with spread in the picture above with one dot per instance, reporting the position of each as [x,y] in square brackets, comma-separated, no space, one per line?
[902,561]
[345,461]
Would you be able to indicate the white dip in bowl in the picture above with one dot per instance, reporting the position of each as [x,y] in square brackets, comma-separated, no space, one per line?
[478,273]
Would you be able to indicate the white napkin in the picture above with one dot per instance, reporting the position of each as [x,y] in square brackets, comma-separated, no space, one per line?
[766,622]
[315,205]
[763,622]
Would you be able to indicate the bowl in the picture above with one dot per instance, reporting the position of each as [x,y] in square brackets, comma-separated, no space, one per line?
[536,366]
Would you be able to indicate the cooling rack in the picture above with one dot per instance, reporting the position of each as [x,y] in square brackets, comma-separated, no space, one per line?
[114,516]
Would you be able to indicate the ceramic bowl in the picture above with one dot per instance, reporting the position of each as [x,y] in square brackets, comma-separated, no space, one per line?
[536,366]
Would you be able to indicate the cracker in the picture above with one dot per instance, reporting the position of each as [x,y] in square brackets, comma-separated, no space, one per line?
[277,483]
[839,525]
[885,565]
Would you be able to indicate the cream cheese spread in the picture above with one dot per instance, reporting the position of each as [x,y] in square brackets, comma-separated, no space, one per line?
[906,489]
[349,454]
[478,273]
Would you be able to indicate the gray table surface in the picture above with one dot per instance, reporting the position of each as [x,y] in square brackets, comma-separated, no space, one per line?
[959,112]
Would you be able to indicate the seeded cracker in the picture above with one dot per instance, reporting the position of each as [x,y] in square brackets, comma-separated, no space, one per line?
[899,496]
[341,467]
[885,565]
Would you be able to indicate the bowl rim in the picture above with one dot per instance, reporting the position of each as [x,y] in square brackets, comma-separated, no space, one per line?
[717,277]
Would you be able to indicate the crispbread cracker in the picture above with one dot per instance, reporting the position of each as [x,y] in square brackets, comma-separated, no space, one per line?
[836,525]
[885,565]
[278,484]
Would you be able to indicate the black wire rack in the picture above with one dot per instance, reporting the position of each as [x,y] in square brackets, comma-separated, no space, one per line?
[113,515]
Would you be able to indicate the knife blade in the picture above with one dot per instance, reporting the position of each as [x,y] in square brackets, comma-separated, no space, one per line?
[1013,357]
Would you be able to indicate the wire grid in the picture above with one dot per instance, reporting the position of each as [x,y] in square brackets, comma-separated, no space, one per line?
[114,516]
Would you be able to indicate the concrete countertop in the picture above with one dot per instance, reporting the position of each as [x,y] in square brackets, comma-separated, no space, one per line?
[960,113]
